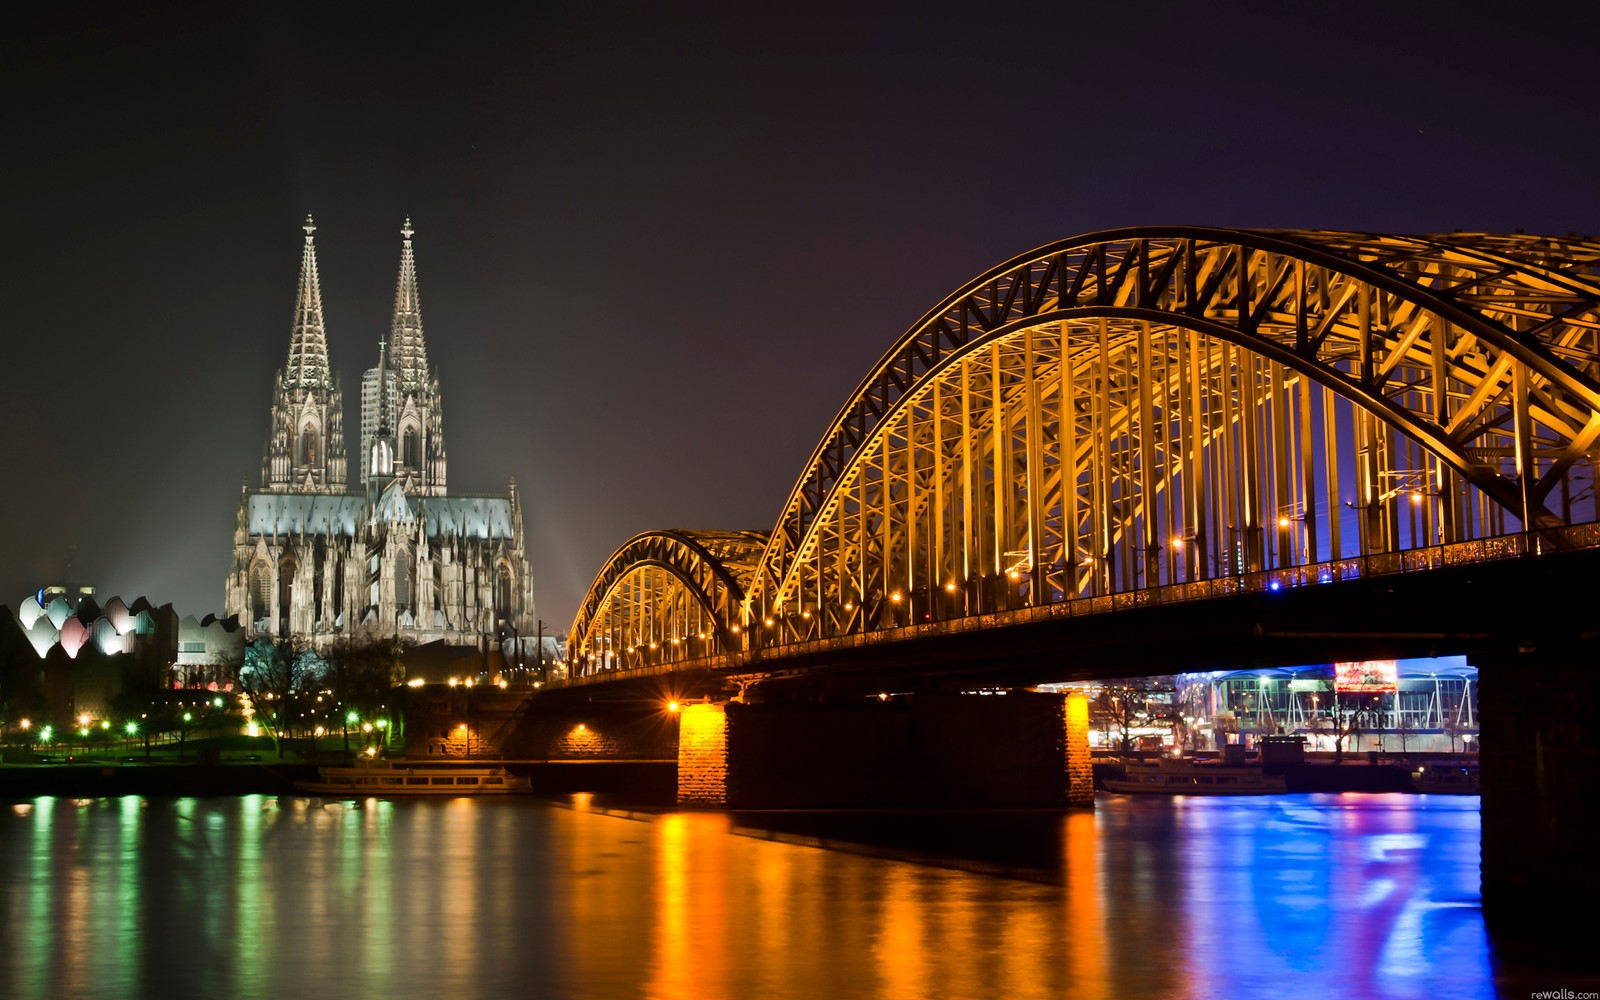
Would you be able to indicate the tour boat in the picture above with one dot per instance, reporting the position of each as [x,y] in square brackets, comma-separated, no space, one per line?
[1452,778]
[1182,777]
[404,777]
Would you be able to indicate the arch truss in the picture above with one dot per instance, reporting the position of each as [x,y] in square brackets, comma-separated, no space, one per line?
[1149,407]
[665,594]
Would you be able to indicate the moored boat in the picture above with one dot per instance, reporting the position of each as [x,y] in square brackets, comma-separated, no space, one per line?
[409,778]
[1184,777]
[1448,778]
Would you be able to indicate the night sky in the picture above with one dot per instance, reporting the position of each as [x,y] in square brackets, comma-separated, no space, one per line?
[657,248]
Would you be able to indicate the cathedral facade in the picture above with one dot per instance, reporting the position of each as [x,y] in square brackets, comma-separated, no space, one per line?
[398,555]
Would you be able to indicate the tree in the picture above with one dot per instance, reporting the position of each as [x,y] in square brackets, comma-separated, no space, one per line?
[272,675]
[361,674]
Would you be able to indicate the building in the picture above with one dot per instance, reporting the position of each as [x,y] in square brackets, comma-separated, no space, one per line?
[313,562]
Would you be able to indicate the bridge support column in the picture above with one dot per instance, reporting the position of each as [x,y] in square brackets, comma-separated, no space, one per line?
[1080,766]
[703,756]
[929,750]
[1540,769]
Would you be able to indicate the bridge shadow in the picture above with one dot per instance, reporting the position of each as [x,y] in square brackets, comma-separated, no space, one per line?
[1023,844]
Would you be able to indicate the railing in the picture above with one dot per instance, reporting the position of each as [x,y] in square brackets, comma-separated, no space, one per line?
[1482,550]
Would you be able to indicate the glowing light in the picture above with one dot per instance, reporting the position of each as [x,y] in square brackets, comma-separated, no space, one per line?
[883,696]
[252,730]
[371,751]
[352,718]
[1416,499]
[849,606]
[1274,585]
[454,681]
[805,614]
[672,706]
[769,623]
[83,720]
[1283,522]
[1177,543]
[415,682]
[895,597]
[1014,574]
[131,728]
[951,586]
[27,723]
[735,628]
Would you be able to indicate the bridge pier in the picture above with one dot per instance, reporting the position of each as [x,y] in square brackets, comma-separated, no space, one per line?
[1540,773]
[924,750]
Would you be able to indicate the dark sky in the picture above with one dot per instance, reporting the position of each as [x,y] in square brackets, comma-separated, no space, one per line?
[657,248]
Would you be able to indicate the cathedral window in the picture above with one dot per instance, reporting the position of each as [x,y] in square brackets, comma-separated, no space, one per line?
[402,582]
[502,592]
[260,592]
[286,570]
[308,445]
[410,449]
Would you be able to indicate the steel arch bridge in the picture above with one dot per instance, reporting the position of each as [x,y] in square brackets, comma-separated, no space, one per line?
[1180,411]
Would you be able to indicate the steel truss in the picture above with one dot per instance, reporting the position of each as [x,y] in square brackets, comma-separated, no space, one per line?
[677,592]
[1141,408]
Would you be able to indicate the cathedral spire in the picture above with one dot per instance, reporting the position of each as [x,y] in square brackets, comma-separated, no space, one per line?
[308,343]
[408,351]
[305,433]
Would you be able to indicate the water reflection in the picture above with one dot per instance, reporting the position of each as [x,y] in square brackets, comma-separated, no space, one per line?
[1372,896]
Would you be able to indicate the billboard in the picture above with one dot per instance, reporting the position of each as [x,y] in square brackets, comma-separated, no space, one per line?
[1365,676]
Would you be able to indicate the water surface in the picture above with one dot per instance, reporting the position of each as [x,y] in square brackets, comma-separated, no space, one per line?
[1356,896]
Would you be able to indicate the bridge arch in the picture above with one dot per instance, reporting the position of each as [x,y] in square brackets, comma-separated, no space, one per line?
[665,595]
[1459,373]
[1151,407]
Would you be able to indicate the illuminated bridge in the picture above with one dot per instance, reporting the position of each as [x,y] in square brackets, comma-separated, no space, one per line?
[1153,416]
[1149,450]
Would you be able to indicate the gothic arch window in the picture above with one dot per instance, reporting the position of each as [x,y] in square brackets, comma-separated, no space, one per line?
[260,592]
[410,447]
[502,592]
[308,445]
[286,571]
[402,582]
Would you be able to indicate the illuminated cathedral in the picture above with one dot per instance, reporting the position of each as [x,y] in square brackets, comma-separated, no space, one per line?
[398,555]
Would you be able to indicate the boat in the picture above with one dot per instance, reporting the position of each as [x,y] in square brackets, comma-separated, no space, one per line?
[406,777]
[1446,778]
[1187,777]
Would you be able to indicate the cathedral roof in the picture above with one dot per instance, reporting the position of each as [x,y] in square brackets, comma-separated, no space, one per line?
[344,514]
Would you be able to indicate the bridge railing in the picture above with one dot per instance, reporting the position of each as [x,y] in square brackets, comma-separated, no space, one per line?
[1501,547]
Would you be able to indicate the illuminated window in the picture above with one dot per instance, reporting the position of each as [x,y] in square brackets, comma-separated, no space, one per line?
[308,445]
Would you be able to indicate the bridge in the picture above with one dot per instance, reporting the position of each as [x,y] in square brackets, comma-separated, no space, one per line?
[1157,449]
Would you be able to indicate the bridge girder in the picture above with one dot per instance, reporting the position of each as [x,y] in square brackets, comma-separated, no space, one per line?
[666,587]
[1145,407]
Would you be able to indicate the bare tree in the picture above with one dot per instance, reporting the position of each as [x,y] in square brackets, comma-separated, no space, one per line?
[272,675]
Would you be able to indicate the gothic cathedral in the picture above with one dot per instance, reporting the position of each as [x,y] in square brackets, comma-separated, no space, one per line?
[401,557]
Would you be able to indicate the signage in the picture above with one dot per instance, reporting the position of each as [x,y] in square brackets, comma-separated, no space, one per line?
[1365,676]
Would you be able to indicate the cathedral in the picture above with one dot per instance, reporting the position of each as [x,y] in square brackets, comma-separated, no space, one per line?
[398,555]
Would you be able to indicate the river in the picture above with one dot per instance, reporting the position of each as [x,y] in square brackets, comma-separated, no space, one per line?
[262,896]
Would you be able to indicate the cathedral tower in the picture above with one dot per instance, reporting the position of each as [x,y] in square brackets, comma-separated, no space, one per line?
[404,393]
[305,441]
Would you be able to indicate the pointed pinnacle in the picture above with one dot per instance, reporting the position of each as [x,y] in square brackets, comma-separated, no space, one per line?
[310,227]
[406,229]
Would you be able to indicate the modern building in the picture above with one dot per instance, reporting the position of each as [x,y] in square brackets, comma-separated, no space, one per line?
[314,562]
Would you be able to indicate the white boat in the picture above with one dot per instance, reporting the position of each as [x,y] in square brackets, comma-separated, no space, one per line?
[1446,778]
[1187,777]
[404,777]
